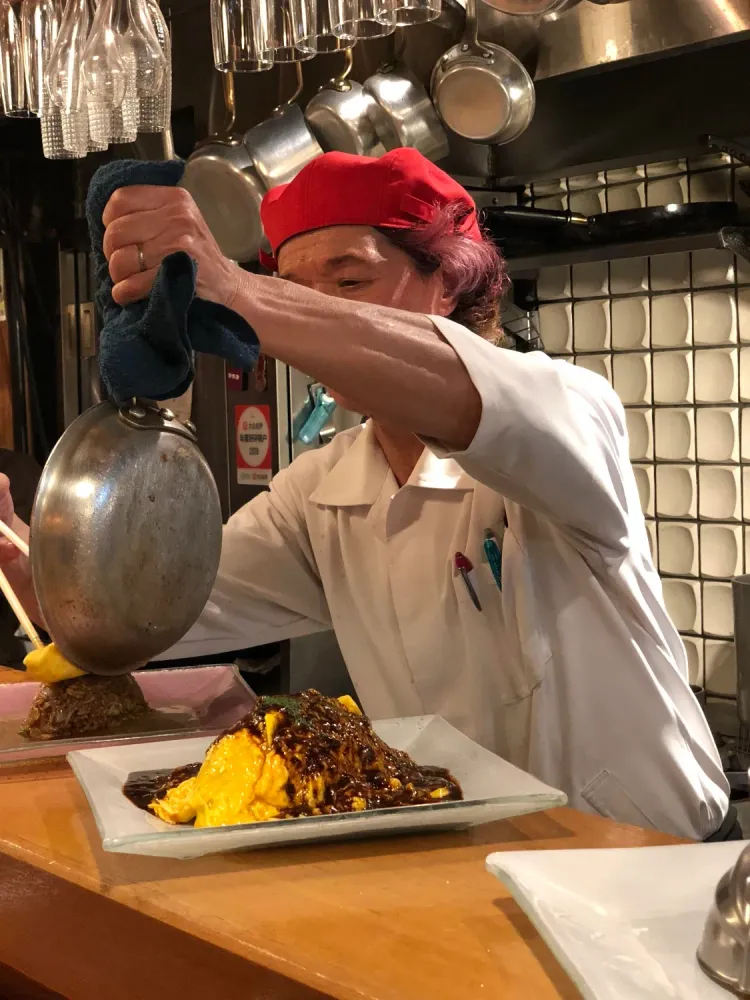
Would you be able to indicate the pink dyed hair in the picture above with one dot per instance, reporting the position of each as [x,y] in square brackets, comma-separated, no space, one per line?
[473,271]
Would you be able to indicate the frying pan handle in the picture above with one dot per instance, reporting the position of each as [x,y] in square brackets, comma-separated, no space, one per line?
[470,41]
[736,149]
[541,217]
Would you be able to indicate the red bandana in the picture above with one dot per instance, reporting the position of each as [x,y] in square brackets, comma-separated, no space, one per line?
[400,190]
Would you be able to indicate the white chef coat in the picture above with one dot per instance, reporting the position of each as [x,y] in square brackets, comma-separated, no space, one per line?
[573,671]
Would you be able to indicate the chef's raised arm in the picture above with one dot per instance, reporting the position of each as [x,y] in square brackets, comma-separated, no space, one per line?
[551,438]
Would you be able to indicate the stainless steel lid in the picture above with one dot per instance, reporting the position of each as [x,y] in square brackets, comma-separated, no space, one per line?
[724,952]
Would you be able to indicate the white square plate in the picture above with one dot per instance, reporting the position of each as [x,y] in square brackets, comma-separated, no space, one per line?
[493,790]
[625,923]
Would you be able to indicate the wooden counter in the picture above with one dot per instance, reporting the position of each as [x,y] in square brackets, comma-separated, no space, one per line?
[398,919]
[395,919]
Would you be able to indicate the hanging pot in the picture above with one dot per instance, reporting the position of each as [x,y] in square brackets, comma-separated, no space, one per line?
[481,91]
[221,177]
[340,115]
[531,8]
[283,144]
[403,114]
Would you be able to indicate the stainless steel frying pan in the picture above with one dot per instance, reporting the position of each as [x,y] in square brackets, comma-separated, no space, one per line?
[223,180]
[480,90]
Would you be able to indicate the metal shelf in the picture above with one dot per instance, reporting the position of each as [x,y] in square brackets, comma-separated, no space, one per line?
[734,238]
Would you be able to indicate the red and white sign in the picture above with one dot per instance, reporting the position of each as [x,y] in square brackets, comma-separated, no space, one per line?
[253,435]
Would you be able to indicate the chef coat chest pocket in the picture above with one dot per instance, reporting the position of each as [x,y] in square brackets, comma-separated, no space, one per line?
[507,632]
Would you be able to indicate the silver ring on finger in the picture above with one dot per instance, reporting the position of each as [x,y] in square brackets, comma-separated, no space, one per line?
[141,258]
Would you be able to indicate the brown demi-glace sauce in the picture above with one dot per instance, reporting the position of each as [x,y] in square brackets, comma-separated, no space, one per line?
[318,736]
[143,787]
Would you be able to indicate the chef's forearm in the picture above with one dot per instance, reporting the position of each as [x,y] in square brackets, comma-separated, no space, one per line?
[18,573]
[391,364]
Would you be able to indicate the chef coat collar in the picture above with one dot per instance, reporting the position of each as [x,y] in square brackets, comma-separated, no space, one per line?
[358,477]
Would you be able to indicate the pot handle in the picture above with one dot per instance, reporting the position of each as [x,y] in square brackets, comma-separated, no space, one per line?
[225,136]
[229,101]
[470,41]
[396,43]
[739,894]
[297,68]
[340,82]
[739,886]
[297,91]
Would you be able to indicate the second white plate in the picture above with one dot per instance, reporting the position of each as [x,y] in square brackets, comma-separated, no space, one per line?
[493,790]
[625,923]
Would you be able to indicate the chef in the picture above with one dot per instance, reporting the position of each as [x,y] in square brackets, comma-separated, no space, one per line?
[478,544]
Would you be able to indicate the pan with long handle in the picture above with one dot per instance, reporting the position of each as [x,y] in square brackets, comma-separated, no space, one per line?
[616,227]
[480,90]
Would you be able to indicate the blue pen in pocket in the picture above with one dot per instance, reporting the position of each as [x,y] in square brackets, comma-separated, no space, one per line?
[494,557]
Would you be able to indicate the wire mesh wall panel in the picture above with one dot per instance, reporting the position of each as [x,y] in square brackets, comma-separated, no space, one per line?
[672,335]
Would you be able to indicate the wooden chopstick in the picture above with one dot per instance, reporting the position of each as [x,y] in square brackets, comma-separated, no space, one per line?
[20,612]
[14,538]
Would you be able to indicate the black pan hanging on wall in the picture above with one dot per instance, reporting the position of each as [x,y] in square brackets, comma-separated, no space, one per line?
[611,227]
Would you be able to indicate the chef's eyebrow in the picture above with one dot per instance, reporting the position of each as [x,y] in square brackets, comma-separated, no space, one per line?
[333,264]
[336,263]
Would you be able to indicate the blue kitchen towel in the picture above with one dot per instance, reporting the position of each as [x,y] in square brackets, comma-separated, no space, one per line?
[146,348]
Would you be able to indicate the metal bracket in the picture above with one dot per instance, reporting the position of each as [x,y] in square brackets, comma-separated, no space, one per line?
[144,415]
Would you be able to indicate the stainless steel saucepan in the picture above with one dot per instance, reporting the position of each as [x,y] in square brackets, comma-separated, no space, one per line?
[538,8]
[481,91]
[528,8]
[125,536]
[403,114]
[223,180]
[283,144]
[341,115]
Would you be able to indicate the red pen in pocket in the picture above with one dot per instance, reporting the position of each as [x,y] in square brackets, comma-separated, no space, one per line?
[464,567]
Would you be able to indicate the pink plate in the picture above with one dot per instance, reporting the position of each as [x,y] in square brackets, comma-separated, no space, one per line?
[184,702]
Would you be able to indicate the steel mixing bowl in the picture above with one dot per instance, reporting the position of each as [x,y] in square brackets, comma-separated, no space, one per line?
[125,536]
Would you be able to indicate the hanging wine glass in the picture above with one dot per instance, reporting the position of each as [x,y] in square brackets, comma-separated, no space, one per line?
[136,34]
[64,77]
[241,32]
[40,24]
[65,83]
[154,113]
[12,84]
[104,69]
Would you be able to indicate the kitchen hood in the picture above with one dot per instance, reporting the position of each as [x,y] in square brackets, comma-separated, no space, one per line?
[618,83]
[595,34]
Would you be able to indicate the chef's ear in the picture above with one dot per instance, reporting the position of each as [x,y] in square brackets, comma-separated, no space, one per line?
[445,304]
